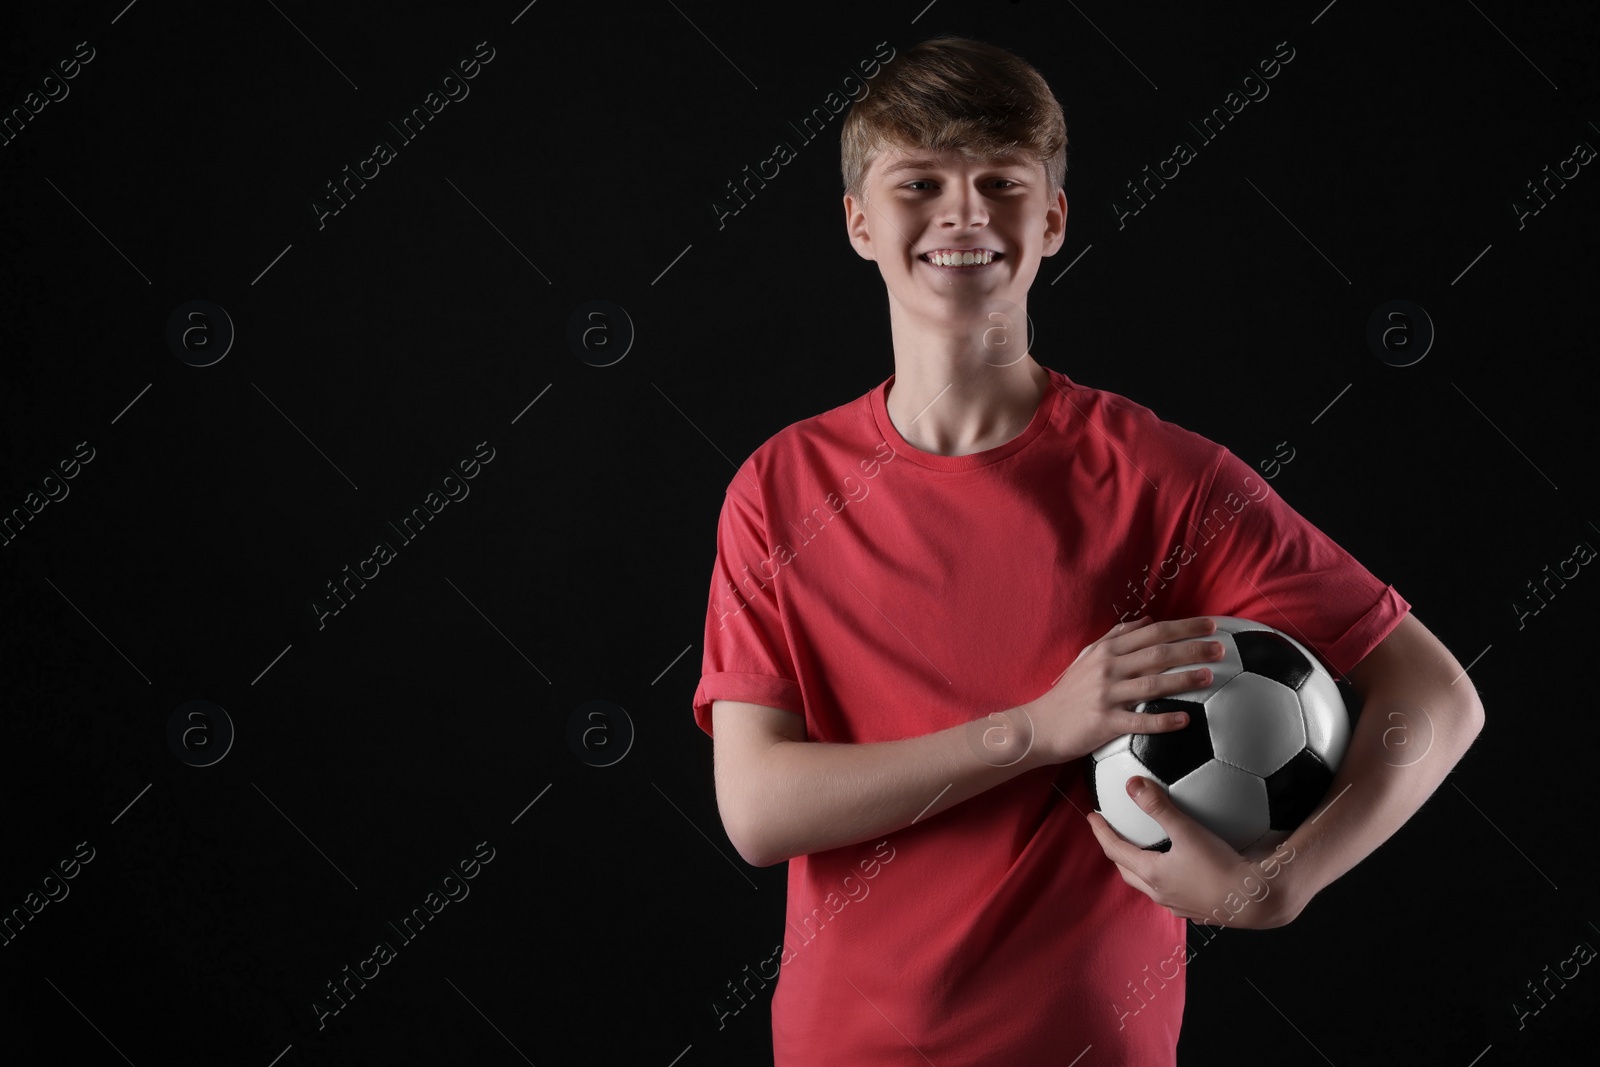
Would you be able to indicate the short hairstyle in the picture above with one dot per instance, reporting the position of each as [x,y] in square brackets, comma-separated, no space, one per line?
[954,93]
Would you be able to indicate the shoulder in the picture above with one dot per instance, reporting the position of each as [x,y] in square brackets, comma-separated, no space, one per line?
[794,455]
[1120,433]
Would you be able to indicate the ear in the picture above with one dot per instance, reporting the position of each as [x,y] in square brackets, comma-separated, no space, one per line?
[1055,224]
[855,226]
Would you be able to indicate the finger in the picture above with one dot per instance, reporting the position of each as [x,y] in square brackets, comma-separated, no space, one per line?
[1132,878]
[1162,633]
[1157,803]
[1152,722]
[1199,650]
[1117,848]
[1138,688]
[1125,867]
[1120,628]
[1113,842]
[1123,853]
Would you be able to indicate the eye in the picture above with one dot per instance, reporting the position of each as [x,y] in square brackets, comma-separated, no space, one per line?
[1002,183]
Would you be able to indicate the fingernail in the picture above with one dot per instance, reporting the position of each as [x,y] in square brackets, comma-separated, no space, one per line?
[1135,787]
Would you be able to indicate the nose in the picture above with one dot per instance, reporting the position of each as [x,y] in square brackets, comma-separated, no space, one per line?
[962,207]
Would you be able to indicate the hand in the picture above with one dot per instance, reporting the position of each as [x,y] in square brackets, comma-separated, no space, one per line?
[1092,702]
[1200,877]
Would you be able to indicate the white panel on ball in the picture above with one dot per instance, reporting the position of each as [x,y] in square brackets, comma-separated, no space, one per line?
[1327,721]
[1111,785]
[1255,724]
[1230,801]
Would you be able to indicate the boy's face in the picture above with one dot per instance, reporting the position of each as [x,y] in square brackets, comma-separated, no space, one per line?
[919,202]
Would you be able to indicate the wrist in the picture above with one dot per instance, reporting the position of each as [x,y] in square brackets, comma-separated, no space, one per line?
[1007,739]
[1289,892]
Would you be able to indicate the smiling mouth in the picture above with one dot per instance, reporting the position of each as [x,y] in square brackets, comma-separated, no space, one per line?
[974,259]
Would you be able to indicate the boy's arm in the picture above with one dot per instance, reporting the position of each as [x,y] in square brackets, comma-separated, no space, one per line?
[1418,717]
[782,796]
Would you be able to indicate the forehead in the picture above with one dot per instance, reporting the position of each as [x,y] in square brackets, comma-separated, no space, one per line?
[893,161]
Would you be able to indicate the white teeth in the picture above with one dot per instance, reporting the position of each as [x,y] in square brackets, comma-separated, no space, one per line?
[961,259]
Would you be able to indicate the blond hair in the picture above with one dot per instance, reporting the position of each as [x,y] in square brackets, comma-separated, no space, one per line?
[953,93]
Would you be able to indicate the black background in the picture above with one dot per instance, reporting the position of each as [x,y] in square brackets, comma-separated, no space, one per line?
[376,351]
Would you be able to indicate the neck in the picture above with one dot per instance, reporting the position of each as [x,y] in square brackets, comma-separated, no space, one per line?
[955,398]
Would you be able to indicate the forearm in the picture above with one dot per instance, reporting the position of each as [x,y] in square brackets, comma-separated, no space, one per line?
[809,796]
[1406,741]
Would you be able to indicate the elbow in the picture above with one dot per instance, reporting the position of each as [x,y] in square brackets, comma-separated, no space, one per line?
[1469,718]
[752,814]
[750,837]
[752,847]
[1472,709]
[1475,718]
[770,858]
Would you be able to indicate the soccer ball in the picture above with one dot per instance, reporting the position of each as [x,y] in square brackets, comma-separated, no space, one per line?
[1258,753]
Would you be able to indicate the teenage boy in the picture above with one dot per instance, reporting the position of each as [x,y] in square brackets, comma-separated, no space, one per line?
[920,625]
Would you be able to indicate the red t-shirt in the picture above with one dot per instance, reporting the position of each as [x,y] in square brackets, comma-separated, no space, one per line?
[883,592]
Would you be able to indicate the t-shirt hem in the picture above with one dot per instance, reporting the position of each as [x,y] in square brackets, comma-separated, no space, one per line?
[1369,631]
[765,689]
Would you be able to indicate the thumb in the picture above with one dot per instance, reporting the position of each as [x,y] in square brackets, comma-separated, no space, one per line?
[1151,798]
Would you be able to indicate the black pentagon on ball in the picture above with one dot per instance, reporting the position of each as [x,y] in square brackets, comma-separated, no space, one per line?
[1175,753]
[1272,656]
[1295,789]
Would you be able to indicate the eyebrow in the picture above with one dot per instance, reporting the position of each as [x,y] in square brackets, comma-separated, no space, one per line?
[926,163]
[918,163]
